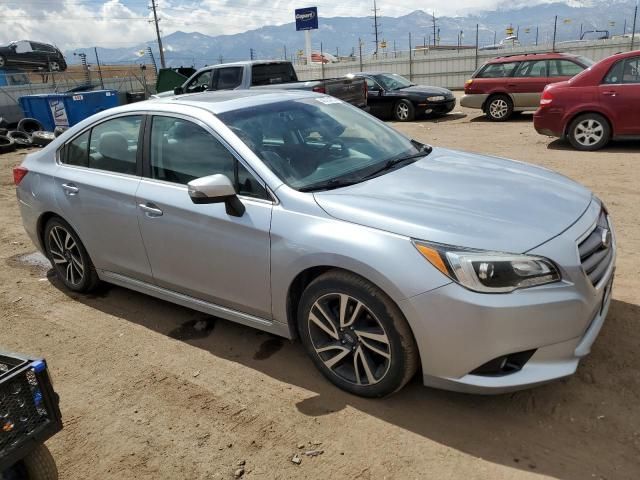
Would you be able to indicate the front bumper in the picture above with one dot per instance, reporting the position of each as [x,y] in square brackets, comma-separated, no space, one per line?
[438,108]
[458,330]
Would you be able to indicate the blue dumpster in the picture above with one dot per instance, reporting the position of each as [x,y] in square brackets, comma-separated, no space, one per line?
[66,109]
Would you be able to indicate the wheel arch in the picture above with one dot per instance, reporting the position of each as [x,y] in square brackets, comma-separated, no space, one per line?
[571,117]
[42,222]
[308,275]
[495,94]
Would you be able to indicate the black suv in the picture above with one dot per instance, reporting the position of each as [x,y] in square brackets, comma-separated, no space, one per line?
[30,55]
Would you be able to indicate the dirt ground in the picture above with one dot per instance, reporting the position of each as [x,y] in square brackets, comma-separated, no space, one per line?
[153,390]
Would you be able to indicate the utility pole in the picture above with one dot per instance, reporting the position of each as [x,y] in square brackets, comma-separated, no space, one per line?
[251,54]
[95,50]
[376,25]
[285,52]
[156,20]
[633,33]
[433,15]
[477,38]
[360,48]
[537,35]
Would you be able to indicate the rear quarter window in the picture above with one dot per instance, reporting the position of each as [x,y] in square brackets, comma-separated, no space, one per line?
[272,74]
[497,70]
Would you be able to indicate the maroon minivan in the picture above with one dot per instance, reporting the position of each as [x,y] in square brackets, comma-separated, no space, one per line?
[597,105]
[513,83]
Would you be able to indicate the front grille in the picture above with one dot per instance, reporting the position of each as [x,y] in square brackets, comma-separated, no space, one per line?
[22,410]
[596,250]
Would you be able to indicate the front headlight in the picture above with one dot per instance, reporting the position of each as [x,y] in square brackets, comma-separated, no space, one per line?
[436,98]
[489,272]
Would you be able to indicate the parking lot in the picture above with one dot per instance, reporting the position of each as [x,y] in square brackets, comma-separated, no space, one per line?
[149,389]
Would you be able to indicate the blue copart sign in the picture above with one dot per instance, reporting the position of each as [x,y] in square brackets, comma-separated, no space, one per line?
[307,18]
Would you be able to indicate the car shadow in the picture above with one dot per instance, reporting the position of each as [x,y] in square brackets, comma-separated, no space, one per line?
[553,430]
[517,118]
[616,146]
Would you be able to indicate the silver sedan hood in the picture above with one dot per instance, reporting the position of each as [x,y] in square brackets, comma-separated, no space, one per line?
[466,200]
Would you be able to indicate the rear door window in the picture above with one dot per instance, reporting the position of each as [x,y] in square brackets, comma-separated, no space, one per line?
[114,144]
[228,78]
[624,71]
[498,70]
[536,68]
[272,74]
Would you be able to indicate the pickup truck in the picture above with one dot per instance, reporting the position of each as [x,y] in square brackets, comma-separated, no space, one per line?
[269,74]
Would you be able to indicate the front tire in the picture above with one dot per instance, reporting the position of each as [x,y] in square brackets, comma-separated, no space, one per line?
[3,62]
[355,335]
[69,257]
[589,132]
[499,108]
[404,111]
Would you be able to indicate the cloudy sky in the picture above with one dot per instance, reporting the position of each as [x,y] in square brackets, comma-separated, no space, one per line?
[119,23]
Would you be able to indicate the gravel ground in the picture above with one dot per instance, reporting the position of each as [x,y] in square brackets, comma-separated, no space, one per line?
[153,390]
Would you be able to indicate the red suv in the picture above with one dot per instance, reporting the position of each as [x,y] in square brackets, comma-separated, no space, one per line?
[601,103]
[514,83]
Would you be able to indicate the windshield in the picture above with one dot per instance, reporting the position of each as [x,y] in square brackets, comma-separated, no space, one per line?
[318,143]
[392,81]
[587,62]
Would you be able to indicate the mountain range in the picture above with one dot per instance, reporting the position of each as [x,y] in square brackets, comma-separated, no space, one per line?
[339,35]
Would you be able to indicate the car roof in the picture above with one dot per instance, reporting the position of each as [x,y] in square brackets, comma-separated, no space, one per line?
[225,101]
[243,63]
[530,56]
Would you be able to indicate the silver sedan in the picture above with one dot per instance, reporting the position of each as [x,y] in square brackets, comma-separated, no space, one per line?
[300,215]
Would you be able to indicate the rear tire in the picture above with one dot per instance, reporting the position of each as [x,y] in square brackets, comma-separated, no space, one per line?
[3,62]
[404,111]
[371,352]
[499,108]
[589,132]
[69,258]
[40,464]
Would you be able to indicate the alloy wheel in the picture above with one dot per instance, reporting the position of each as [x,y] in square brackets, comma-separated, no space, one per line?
[54,66]
[2,61]
[498,108]
[66,256]
[588,132]
[402,111]
[349,339]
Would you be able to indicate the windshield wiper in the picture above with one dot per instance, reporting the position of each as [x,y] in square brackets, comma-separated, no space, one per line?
[389,164]
[329,185]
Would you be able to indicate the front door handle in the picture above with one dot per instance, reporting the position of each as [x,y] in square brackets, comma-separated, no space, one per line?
[70,189]
[150,209]
[610,93]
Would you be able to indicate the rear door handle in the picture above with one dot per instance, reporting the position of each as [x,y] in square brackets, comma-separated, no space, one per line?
[150,209]
[70,189]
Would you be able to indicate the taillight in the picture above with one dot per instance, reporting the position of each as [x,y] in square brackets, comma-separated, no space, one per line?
[18,174]
[319,89]
[546,98]
[468,83]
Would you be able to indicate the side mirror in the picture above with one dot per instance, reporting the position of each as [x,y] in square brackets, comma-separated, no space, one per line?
[178,91]
[216,189]
[380,92]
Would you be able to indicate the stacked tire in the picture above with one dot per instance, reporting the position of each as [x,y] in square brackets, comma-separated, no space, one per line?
[29,132]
